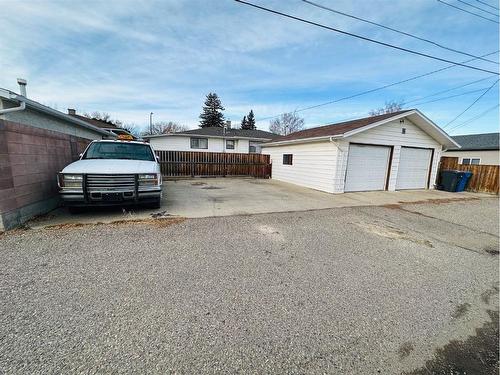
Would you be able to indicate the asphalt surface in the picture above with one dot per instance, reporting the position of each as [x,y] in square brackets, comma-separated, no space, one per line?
[363,290]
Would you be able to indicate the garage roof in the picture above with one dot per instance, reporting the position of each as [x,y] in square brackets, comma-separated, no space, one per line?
[348,128]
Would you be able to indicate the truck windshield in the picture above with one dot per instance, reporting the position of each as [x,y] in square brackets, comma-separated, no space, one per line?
[119,150]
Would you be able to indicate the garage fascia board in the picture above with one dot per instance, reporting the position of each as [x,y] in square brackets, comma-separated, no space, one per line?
[420,120]
[302,140]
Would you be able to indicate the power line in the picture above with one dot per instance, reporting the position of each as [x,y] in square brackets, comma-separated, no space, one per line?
[467,122]
[488,5]
[375,89]
[363,37]
[476,7]
[447,97]
[451,89]
[466,11]
[394,30]
[474,102]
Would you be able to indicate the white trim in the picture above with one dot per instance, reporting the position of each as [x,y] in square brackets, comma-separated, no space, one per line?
[302,140]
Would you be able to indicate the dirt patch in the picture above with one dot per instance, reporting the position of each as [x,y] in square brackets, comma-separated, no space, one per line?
[488,293]
[460,310]
[157,222]
[158,215]
[198,183]
[392,233]
[212,187]
[405,349]
[491,250]
[476,355]
[18,230]
[441,200]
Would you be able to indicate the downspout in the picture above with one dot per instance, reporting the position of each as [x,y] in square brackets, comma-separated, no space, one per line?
[21,107]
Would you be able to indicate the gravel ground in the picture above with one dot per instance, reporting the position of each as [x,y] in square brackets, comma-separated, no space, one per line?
[351,290]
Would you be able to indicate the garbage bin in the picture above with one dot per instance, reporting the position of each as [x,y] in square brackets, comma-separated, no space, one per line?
[449,180]
[463,178]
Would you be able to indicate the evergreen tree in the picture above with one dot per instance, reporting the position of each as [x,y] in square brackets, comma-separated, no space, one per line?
[251,121]
[212,112]
[244,123]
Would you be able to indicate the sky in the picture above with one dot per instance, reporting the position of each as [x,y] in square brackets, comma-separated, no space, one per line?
[130,58]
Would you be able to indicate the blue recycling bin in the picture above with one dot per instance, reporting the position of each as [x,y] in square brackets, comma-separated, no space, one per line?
[463,179]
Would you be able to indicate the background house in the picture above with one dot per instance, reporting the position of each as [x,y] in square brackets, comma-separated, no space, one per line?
[36,142]
[212,139]
[476,149]
[392,151]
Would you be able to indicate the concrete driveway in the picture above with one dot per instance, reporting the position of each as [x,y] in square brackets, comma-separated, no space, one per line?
[207,197]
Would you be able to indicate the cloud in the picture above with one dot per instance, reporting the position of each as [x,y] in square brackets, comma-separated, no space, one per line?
[128,58]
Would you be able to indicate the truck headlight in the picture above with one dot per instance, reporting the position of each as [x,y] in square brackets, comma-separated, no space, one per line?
[70,181]
[148,179]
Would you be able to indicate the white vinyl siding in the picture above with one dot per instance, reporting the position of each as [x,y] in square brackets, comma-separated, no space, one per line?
[489,157]
[367,167]
[413,171]
[183,143]
[313,164]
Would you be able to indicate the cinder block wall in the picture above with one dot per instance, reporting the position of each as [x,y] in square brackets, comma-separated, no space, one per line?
[30,158]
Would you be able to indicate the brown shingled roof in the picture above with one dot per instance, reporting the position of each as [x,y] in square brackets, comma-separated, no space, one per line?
[339,128]
[97,123]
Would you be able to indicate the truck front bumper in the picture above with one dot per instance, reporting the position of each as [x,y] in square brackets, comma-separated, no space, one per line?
[108,198]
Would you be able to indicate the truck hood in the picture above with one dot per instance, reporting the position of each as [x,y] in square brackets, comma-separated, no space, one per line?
[112,166]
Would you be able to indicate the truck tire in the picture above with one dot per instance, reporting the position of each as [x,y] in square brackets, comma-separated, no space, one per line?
[156,203]
[75,210]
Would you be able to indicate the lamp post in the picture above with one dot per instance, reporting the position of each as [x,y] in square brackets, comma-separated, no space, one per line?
[151,123]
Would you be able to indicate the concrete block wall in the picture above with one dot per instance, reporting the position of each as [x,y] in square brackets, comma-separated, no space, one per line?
[30,158]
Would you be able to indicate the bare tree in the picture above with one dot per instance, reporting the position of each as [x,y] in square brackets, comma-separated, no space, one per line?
[104,117]
[389,107]
[132,128]
[165,127]
[287,123]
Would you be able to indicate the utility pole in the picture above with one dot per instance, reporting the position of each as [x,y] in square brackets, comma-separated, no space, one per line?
[151,123]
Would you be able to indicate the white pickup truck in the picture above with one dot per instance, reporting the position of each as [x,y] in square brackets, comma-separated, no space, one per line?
[112,172]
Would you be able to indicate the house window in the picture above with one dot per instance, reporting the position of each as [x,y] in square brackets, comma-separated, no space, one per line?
[230,144]
[468,161]
[287,159]
[252,149]
[199,143]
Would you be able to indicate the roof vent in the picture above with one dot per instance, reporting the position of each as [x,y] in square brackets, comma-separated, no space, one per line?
[71,111]
[22,86]
[228,124]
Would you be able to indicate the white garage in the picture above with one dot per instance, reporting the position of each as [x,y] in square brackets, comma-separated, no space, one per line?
[394,151]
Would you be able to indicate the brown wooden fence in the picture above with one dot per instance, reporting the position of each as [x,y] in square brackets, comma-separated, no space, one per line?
[485,178]
[189,163]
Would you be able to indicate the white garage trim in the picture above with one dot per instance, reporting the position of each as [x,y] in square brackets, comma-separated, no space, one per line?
[415,165]
[368,167]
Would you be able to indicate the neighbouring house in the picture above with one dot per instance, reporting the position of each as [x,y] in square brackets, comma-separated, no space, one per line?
[36,142]
[106,125]
[394,151]
[476,149]
[212,139]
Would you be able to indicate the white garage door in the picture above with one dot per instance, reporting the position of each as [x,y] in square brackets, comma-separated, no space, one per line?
[367,168]
[413,170]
